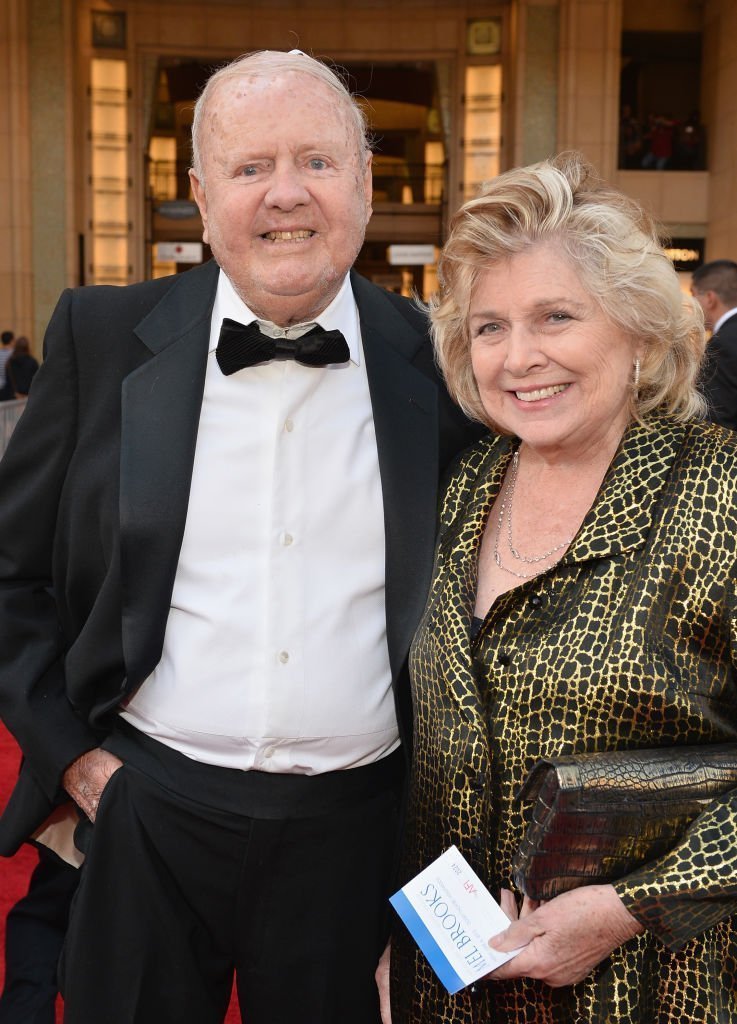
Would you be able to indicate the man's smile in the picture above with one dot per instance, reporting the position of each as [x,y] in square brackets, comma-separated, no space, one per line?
[287,236]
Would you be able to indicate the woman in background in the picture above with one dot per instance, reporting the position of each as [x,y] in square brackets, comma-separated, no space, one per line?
[19,371]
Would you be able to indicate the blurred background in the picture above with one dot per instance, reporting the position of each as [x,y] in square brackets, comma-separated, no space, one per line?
[96,105]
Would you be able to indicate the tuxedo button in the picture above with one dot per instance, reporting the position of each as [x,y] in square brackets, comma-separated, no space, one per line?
[287,539]
[283,657]
[289,425]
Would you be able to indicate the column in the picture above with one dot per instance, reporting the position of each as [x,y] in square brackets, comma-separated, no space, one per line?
[720,115]
[52,169]
[588,117]
[15,199]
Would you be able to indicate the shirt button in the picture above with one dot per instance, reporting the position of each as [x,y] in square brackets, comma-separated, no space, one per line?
[283,657]
[269,752]
[287,539]
[535,600]
[289,425]
[478,783]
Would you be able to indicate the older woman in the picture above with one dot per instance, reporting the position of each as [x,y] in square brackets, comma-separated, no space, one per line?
[583,600]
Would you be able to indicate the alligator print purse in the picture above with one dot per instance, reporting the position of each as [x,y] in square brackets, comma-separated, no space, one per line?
[598,816]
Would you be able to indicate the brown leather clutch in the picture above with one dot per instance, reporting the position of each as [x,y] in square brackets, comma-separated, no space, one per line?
[598,816]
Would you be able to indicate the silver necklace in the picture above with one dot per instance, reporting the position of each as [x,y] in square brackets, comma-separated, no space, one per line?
[505,510]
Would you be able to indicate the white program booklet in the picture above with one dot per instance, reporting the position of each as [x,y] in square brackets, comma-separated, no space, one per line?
[451,915]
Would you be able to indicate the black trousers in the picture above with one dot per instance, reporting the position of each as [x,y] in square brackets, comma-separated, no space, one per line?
[34,934]
[182,887]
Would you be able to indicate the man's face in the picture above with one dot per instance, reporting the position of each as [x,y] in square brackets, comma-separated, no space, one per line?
[286,192]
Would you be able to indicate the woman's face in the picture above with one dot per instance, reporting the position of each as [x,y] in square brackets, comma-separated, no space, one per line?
[550,367]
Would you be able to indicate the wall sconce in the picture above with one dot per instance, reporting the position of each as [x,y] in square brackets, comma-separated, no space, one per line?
[108,30]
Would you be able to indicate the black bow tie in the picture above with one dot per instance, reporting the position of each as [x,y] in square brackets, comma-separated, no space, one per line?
[240,345]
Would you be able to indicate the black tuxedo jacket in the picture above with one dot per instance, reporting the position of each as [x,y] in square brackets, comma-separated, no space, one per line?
[720,375]
[93,499]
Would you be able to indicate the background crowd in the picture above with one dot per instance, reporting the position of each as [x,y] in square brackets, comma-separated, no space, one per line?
[661,142]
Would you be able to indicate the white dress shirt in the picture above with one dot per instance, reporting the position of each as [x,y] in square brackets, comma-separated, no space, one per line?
[275,654]
[723,319]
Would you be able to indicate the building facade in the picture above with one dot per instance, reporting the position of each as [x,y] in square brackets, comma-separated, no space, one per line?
[96,100]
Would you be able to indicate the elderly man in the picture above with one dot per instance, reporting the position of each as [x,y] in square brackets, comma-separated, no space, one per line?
[214,557]
[714,286]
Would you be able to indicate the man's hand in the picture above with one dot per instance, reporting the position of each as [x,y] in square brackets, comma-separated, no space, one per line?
[382,983]
[85,778]
[566,937]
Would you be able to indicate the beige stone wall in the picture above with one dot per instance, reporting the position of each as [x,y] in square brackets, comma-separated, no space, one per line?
[679,200]
[16,277]
[535,98]
[52,167]
[36,258]
[656,15]
[590,44]
[348,28]
[720,89]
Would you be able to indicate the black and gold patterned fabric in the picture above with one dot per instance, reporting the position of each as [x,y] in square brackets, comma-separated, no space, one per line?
[629,641]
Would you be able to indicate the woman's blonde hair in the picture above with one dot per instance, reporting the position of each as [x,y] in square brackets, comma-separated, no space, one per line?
[614,247]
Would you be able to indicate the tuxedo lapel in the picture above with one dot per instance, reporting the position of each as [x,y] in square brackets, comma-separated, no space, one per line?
[405,409]
[161,403]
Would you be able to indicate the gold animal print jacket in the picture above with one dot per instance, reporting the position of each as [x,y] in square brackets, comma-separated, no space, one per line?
[629,641]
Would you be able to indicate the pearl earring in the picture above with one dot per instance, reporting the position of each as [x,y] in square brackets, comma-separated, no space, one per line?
[636,381]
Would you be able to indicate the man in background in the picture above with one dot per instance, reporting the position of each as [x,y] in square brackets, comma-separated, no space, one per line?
[216,553]
[714,286]
[6,351]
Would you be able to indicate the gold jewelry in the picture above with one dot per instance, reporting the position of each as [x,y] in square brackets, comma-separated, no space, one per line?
[505,510]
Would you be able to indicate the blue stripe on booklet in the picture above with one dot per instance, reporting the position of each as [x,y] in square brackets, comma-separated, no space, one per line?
[420,933]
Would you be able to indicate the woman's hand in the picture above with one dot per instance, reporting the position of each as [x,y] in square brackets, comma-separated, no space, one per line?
[508,903]
[566,937]
[382,983]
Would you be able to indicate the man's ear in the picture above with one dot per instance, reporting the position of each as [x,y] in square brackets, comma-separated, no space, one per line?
[368,186]
[200,197]
[713,306]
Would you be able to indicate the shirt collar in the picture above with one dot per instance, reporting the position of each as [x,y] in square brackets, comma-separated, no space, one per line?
[723,319]
[340,315]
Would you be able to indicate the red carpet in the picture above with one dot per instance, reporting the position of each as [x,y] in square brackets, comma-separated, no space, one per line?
[16,871]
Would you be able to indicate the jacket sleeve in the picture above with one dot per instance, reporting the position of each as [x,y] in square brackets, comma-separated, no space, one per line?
[720,380]
[33,700]
[694,885]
